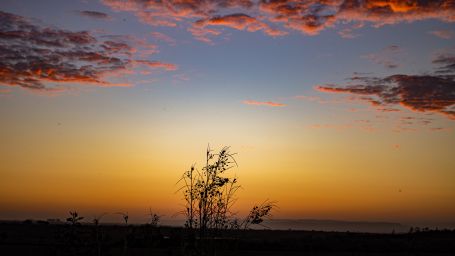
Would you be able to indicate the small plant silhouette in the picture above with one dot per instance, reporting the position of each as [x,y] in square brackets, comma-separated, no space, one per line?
[125,216]
[74,218]
[125,239]
[98,233]
[96,220]
[154,218]
[258,213]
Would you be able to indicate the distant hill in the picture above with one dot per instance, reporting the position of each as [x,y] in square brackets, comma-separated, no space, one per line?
[292,224]
[336,225]
[321,225]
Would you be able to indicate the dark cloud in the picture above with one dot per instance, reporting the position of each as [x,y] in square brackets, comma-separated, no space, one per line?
[35,57]
[446,63]
[420,93]
[94,15]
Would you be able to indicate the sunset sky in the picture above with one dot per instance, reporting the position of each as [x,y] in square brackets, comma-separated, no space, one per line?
[337,109]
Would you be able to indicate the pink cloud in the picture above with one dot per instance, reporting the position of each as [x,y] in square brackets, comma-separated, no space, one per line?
[156,64]
[263,103]
[163,37]
[444,34]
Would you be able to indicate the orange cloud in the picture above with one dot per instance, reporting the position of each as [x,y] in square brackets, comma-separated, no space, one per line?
[36,57]
[156,64]
[240,21]
[203,34]
[309,17]
[263,103]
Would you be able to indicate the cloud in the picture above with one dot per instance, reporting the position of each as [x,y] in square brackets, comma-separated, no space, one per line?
[156,64]
[444,34]
[169,13]
[43,59]
[263,103]
[347,33]
[203,34]
[240,21]
[309,17]
[446,62]
[94,15]
[420,93]
[387,57]
[163,37]
[363,126]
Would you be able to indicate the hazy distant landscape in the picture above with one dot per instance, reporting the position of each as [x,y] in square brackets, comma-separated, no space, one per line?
[324,225]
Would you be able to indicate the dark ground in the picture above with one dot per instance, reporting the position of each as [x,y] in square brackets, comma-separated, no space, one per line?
[18,238]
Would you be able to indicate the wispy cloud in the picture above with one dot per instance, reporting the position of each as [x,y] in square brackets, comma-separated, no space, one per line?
[387,57]
[240,21]
[94,15]
[263,103]
[163,37]
[156,64]
[446,62]
[367,127]
[444,34]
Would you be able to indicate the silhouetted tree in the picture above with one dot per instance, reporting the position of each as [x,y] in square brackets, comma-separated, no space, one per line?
[209,194]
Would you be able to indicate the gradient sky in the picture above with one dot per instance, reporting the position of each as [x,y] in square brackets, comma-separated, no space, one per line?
[337,109]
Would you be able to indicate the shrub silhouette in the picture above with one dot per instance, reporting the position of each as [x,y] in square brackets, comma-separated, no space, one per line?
[210,193]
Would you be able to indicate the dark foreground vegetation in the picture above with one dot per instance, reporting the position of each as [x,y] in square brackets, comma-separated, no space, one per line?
[211,228]
[42,238]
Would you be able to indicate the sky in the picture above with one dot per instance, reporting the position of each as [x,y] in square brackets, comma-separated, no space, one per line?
[336,109]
